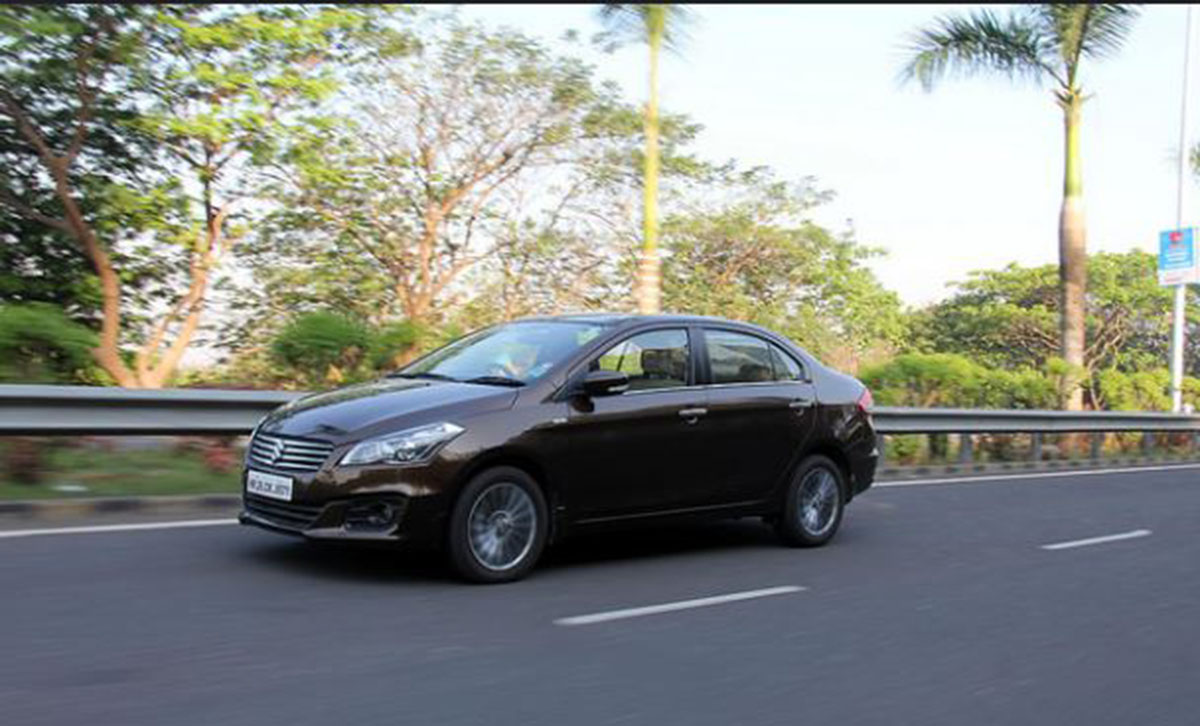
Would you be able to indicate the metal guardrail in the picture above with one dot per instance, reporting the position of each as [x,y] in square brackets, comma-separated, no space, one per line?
[37,409]
[112,411]
[896,420]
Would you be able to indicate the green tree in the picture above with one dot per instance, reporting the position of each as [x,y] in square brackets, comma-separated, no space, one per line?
[751,253]
[477,150]
[1043,43]
[129,131]
[38,264]
[69,160]
[656,25]
[228,87]
[1007,318]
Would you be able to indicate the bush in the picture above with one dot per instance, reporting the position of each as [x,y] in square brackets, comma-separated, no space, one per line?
[1021,388]
[925,380]
[323,346]
[331,348]
[903,448]
[1140,391]
[392,344]
[40,344]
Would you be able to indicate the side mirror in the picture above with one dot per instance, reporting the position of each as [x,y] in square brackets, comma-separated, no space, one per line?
[605,383]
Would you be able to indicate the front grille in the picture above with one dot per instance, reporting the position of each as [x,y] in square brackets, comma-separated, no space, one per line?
[288,515]
[288,454]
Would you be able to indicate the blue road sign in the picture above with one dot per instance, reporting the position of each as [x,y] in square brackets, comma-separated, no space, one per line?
[1177,257]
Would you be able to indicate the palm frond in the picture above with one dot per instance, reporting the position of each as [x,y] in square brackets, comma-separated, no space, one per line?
[1094,30]
[630,22]
[980,42]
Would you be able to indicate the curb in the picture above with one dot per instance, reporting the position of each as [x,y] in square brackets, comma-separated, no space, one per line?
[208,505]
[82,508]
[967,470]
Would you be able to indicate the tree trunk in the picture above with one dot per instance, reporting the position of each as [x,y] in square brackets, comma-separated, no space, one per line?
[648,285]
[108,354]
[1072,255]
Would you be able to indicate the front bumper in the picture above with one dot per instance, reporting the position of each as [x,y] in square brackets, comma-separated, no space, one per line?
[328,504]
[336,520]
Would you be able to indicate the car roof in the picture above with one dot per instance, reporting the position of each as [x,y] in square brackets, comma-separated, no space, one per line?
[628,320]
[624,319]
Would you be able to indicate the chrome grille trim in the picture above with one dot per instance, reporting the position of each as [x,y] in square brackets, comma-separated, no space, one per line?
[284,453]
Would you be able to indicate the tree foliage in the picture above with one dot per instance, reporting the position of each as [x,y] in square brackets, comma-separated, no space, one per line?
[949,380]
[1008,317]
[1033,42]
[1039,42]
[327,347]
[480,145]
[40,344]
[120,129]
[657,25]
[753,254]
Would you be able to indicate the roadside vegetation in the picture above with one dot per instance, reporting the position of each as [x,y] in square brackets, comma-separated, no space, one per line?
[101,467]
[313,195]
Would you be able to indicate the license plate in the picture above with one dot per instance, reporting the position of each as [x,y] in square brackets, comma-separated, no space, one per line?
[269,485]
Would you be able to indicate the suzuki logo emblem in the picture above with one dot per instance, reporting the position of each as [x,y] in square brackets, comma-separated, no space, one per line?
[276,451]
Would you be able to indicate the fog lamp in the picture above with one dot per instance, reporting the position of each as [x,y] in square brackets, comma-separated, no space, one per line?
[376,515]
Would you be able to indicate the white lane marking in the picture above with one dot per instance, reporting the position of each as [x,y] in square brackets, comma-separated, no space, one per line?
[673,606]
[117,528]
[968,479]
[1097,540]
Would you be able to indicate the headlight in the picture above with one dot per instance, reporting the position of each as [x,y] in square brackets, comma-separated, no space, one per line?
[403,447]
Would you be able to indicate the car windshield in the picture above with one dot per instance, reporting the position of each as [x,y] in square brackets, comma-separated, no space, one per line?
[512,354]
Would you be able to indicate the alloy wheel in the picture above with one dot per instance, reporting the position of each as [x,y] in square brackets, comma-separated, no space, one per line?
[818,501]
[502,526]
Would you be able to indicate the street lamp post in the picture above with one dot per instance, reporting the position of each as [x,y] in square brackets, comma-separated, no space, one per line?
[1177,329]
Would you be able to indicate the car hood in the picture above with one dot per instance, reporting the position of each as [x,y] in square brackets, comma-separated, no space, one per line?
[380,406]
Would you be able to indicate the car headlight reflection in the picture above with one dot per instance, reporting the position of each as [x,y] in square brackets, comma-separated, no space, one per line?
[402,447]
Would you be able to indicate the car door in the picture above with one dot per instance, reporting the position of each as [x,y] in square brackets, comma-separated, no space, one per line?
[761,411]
[635,452]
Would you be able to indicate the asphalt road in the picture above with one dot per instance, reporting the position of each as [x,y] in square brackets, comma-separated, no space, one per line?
[936,605]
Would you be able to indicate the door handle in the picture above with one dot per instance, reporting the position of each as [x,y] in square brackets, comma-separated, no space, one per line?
[800,403]
[692,415]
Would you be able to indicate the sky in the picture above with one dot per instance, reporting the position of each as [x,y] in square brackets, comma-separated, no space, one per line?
[966,177]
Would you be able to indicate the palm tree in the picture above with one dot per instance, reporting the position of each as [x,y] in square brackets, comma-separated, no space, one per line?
[657,25]
[1039,43]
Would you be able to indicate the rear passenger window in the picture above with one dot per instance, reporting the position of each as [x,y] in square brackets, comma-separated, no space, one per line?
[786,367]
[658,359]
[738,358]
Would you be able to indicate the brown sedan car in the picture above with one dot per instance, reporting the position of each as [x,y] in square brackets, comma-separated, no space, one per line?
[510,438]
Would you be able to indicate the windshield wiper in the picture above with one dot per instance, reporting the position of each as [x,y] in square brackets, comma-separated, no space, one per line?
[495,381]
[433,376]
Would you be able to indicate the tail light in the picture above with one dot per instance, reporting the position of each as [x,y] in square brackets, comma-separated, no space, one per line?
[865,401]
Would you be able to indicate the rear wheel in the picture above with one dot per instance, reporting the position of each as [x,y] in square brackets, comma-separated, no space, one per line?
[498,527]
[813,504]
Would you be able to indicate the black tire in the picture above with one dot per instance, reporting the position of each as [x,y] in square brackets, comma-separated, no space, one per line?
[484,490]
[794,529]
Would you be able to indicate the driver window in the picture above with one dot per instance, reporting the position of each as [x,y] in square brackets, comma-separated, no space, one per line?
[658,359]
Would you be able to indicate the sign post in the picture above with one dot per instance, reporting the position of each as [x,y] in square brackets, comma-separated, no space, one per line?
[1177,316]
[1177,267]
[1177,257]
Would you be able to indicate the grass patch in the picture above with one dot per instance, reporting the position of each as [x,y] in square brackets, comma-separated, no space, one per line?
[165,469]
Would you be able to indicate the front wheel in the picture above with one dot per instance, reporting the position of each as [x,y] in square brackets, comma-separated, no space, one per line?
[498,527]
[812,506]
